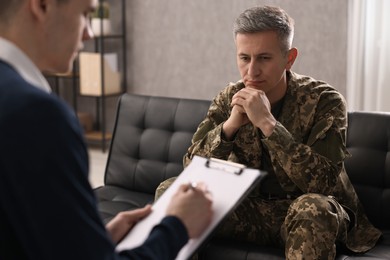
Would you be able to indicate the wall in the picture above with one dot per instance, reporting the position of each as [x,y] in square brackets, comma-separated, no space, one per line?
[185,48]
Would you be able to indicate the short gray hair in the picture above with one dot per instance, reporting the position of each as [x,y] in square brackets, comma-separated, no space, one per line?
[8,8]
[266,18]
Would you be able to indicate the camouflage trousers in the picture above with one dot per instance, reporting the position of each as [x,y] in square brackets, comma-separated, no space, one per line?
[307,227]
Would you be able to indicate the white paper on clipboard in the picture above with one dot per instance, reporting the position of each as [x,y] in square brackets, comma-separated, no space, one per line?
[228,183]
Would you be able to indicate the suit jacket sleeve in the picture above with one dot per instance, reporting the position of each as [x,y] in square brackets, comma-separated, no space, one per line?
[48,205]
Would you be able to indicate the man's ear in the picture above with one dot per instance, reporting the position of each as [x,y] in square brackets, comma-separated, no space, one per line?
[38,8]
[291,56]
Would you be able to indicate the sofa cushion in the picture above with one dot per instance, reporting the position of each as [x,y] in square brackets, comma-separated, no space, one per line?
[113,199]
[233,250]
[369,167]
[151,136]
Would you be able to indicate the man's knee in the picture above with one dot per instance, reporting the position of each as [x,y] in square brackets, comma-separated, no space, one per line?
[312,216]
[163,186]
[310,205]
[310,228]
[317,207]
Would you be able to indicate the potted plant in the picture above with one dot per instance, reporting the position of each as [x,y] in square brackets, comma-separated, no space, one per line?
[101,17]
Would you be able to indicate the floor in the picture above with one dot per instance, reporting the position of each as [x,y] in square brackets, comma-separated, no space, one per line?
[97,166]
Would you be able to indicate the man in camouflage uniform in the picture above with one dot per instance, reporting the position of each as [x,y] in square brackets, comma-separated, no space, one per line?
[293,127]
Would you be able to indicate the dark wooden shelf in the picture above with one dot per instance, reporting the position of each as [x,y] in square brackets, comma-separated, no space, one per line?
[100,136]
[97,136]
[70,75]
[112,36]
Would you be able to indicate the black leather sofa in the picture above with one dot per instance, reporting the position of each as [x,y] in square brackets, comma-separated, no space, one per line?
[152,134]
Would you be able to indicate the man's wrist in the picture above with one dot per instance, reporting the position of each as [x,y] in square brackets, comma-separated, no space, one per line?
[228,133]
[267,128]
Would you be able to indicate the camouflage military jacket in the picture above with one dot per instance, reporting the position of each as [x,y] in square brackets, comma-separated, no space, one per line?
[307,147]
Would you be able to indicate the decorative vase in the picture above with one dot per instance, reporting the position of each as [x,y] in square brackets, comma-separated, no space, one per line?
[97,29]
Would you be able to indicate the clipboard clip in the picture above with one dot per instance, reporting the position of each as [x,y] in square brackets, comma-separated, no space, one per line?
[226,166]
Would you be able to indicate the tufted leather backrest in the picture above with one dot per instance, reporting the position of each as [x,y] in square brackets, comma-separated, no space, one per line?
[151,136]
[369,167]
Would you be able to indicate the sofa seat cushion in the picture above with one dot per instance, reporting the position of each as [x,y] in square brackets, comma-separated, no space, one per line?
[152,134]
[381,250]
[230,250]
[114,199]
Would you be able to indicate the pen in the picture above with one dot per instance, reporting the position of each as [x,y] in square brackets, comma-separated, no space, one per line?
[193,185]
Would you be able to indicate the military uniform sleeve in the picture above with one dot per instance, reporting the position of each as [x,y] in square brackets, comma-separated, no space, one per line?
[314,164]
[208,139]
[164,241]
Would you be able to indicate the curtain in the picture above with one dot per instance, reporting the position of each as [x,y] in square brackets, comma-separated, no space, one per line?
[368,71]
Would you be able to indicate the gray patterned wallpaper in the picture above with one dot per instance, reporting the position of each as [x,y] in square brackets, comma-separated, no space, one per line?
[185,48]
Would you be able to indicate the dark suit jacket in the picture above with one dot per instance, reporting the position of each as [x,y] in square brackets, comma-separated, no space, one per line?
[47,206]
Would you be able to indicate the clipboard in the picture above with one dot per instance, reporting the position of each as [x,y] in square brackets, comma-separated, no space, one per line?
[228,182]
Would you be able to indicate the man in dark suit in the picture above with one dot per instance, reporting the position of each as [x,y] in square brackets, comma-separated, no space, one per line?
[47,207]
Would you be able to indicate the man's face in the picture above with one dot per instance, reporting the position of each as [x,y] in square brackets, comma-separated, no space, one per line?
[261,63]
[67,27]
